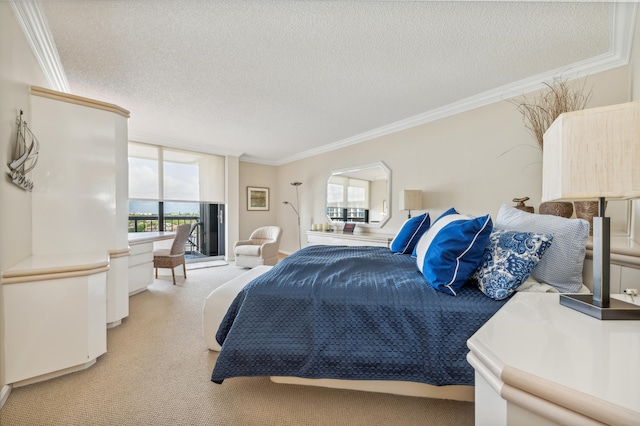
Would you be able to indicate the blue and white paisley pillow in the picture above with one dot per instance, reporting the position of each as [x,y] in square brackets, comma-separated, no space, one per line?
[508,260]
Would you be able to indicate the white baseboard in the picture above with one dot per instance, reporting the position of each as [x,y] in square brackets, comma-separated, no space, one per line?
[4,394]
[53,374]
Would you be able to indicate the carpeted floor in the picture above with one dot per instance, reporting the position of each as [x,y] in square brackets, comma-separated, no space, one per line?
[207,264]
[157,369]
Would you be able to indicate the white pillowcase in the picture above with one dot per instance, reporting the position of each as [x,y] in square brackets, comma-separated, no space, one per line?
[561,266]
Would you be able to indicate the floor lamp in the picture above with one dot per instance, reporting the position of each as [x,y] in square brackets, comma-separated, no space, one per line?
[594,154]
[296,209]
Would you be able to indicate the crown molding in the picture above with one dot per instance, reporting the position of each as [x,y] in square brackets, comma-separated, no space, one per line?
[34,25]
[261,160]
[622,25]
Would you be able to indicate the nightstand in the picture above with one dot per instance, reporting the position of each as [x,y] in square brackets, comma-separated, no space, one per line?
[538,362]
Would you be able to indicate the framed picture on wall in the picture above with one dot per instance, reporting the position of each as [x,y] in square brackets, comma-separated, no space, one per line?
[257,198]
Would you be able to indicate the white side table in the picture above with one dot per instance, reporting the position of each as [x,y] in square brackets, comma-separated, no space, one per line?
[540,363]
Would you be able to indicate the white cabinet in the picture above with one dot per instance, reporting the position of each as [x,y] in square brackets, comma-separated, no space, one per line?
[117,285]
[55,315]
[338,238]
[80,194]
[58,302]
[140,267]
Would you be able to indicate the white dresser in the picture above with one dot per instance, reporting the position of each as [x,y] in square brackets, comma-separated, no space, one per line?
[339,238]
[540,363]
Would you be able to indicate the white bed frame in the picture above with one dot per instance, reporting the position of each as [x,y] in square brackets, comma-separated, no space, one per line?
[218,302]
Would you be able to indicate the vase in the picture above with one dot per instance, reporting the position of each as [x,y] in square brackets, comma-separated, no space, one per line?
[587,210]
[556,208]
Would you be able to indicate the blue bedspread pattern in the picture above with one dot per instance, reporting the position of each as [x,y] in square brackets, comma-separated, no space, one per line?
[350,313]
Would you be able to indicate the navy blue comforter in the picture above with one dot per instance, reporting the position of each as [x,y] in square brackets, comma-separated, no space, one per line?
[350,313]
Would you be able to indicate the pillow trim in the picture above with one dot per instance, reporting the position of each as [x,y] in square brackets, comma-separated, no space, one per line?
[415,232]
[471,244]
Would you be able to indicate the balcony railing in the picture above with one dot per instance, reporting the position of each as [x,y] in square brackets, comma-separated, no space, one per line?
[149,223]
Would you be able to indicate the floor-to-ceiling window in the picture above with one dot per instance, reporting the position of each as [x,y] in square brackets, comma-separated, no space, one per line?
[169,187]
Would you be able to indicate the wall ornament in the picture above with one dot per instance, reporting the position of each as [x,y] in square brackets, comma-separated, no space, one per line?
[25,155]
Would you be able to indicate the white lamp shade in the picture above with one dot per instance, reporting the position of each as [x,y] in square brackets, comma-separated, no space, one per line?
[593,153]
[411,199]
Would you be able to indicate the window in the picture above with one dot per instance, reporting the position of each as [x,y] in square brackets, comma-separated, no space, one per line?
[167,186]
[143,216]
[178,213]
[166,174]
[144,175]
[347,192]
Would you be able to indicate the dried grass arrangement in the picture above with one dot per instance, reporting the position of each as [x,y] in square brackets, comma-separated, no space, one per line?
[540,111]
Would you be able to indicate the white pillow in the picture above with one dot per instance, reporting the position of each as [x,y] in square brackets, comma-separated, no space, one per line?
[561,266]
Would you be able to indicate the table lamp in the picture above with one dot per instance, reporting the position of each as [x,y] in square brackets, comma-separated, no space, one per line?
[411,199]
[595,154]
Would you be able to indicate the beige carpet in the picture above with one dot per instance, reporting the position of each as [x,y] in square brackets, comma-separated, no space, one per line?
[206,264]
[157,368]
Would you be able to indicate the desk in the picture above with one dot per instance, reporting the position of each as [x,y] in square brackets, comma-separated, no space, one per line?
[141,258]
[541,363]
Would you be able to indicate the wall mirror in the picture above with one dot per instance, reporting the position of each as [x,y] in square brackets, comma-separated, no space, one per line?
[360,194]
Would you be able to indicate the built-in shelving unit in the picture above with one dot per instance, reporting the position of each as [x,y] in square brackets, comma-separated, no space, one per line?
[59,301]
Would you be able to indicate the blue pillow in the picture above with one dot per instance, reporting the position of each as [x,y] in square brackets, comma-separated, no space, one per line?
[410,233]
[508,260]
[450,251]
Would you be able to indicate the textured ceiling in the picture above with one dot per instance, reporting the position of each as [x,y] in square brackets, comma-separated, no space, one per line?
[278,80]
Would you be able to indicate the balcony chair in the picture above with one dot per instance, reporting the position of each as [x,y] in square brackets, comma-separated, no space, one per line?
[170,258]
[260,249]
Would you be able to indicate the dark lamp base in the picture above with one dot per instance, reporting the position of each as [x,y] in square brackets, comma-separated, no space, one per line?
[617,310]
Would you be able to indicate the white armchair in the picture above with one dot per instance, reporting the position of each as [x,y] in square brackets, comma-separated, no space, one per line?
[260,249]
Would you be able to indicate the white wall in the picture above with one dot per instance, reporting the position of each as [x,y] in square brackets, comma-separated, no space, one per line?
[18,70]
[474,161]
[232,202]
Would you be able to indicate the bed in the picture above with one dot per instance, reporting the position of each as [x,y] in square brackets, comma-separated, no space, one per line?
[389,320]
[351,313]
